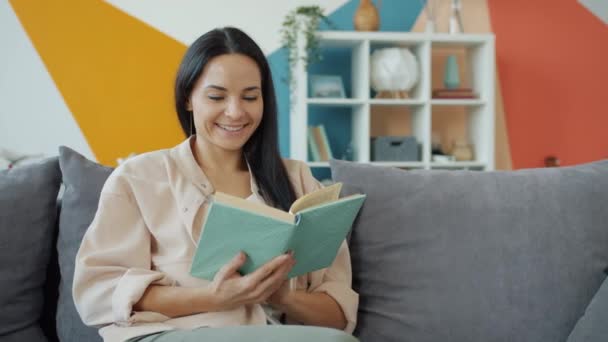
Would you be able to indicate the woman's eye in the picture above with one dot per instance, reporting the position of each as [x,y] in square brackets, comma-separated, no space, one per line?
[250,98]
[216,98]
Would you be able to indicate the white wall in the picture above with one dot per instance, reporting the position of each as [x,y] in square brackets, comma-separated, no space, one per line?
[597,7]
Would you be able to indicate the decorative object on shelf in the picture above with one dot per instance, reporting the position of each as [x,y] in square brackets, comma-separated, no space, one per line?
[462,150]
[456,18]
[349,152]
[326,86]
[394,72]
[430,8]
[451,77]
[318,143]
[456,93]
[395,148]
[442,158]
[366,17]
[552,161]
[436,144]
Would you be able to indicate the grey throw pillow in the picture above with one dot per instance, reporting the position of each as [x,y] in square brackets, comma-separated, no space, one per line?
[83,180]
[28,213]
[593,326]
[476,256]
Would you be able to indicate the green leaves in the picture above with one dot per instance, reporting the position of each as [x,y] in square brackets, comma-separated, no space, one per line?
[304,19]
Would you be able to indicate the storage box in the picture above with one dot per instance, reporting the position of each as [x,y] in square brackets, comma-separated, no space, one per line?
[395,148]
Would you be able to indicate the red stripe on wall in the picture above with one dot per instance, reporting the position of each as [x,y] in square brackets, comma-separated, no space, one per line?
[552,56]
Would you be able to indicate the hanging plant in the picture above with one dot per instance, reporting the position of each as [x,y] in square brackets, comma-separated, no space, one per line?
[304,19]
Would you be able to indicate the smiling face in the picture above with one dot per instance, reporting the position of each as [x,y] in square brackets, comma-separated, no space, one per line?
[227,102]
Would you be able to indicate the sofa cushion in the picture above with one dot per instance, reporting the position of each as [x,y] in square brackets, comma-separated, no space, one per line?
[83,180]
[28,212]
[476,256]
[593,326]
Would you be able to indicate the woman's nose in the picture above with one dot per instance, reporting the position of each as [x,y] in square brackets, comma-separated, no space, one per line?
[234,109]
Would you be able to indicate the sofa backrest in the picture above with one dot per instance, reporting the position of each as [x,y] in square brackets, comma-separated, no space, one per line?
[476,256]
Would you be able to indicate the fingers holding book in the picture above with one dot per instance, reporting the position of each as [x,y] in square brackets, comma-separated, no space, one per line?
[232,290]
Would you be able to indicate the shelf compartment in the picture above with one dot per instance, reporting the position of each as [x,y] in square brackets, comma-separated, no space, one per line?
[420,50]
[343,61]
[472,124]
[402,121]
[335,120]
[475,61]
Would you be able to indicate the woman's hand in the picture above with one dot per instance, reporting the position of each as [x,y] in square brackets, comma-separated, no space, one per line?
[232,290]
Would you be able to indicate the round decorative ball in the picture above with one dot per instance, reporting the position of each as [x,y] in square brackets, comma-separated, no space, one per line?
[393,70]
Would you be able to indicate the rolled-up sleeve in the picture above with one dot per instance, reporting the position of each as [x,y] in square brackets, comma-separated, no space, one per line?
[336,281]
[113,264]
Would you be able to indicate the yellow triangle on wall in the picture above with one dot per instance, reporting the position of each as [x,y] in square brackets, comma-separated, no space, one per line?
[115,73]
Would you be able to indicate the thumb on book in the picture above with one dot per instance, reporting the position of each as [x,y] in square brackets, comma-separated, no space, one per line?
[232,266]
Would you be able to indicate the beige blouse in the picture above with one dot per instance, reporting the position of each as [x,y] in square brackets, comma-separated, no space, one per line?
[145,232]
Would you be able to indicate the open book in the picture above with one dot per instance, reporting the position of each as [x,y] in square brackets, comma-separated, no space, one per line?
[314,228]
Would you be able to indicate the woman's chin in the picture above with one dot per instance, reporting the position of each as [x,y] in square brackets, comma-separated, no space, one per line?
[230,145]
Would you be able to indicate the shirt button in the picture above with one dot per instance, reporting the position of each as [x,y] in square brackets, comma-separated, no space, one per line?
[204,185]
[185,210]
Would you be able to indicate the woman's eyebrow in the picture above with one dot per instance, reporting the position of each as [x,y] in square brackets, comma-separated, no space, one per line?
[224,89]
[216,87]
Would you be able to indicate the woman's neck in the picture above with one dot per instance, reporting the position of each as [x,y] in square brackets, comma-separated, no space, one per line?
[214,159]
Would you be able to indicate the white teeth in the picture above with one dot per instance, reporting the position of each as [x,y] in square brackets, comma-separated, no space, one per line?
[231,128]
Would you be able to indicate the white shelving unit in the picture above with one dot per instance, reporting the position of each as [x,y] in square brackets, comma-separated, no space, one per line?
[481,61]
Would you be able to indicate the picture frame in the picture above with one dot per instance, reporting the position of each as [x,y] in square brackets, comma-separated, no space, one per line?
[326,86]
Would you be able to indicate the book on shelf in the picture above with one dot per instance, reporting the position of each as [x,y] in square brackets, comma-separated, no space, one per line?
[326,145]
[458,93]
[314,228]
[318,136]
[313,148]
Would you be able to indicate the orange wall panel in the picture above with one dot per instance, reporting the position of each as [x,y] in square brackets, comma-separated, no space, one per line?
[552,56]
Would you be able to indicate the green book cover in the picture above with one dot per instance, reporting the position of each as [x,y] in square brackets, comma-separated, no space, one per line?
[314,229]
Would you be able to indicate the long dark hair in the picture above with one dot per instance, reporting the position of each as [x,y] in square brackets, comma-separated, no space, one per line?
[261,150]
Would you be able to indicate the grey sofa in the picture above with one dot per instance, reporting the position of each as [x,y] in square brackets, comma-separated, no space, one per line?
[436,255]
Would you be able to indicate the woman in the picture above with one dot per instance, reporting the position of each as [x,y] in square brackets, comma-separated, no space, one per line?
[131,274]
